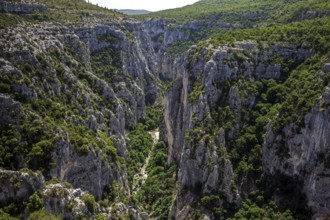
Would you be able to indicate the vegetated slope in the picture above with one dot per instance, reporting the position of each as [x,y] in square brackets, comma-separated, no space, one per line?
[72,82]
[54,11]
[243,13]
[207,17]
[244,133]
[134,12]
[242,93]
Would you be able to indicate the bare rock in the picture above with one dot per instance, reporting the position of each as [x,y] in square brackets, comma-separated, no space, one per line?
[18,186]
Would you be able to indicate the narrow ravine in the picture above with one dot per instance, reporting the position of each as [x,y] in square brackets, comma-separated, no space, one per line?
[141,176]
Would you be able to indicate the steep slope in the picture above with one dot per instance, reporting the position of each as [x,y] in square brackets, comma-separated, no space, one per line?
[217,112]
[208,17]
[72,90]
[243,115]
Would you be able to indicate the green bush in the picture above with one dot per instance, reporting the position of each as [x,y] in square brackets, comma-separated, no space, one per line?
[42,215]
[90,203]
[6,216]
[109,192]
[101,217]
[211,200]
[252,211]
[153,117]
[35,203]
[31,139]
[40,154]
[12,208]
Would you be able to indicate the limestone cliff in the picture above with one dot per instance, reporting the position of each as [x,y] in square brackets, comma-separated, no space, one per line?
[72,92]
[21,7]
[59,63]
[302,154]
[211,77]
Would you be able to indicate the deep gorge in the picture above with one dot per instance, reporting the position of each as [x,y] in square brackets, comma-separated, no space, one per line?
[244,125]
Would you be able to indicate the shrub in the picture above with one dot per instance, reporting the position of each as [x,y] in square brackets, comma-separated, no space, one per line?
[42,215]
[90,203]
[109,192]
[6,216]
[35,203]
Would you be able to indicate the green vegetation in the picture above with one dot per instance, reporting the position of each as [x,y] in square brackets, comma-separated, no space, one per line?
[29,139]
[60,11]
[89,201]
[245,149]
[153,117]
[140,143]
[5,216]
[156,194]
[280,102]
[179,47]
[308,34]
[8,20]
[251,210]
[42,215]
[302,90]
[106,64]
[245,13]
[35,203]
[63,95]
[212,17]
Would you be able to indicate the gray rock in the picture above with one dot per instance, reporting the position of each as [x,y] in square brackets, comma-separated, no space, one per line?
[65,201]
[92,123]
[326,67]
[18,186]
[88,172]
[9,111]
[234,98]
[21,7]
[203,170]
[307,155]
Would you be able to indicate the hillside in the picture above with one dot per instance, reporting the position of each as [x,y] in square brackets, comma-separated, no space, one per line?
[210,17]
[134,12]
[245,13]
[217,110]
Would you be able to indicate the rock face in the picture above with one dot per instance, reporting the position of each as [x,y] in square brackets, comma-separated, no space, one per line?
[82,171]
[37,65]
[67,202]
[18,186]
[21,7]
[8,105]
[202,83]
[83,85]
[303,153]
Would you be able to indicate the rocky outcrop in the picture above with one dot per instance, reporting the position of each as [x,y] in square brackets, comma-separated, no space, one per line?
[8,105]
[133,212]
[65,201]
[21,7]
[18,186]
[89,172]
[38,65]
[205,79]
[303,153]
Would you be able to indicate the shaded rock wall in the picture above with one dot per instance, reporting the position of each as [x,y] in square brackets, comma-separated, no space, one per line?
[21,7]
[303,153]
